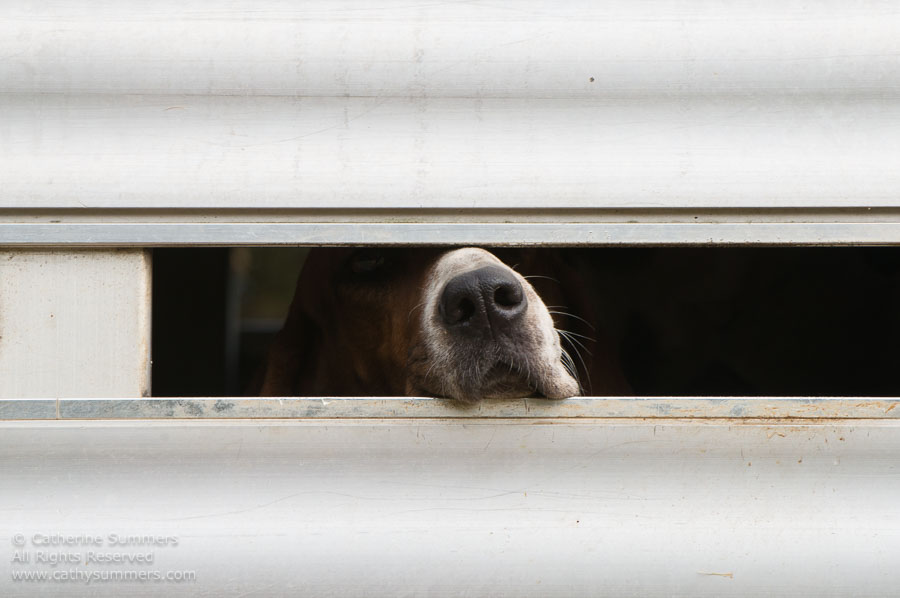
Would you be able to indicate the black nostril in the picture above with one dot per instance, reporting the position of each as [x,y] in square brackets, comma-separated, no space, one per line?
[460,300]
[481,302]
[508,295]
[460,312]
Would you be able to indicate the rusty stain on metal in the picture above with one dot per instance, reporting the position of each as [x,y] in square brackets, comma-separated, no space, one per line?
[728,575]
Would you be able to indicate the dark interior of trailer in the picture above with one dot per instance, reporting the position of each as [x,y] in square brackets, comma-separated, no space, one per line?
[683,321]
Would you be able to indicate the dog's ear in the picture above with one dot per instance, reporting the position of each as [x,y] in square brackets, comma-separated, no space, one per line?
[291,367]
[291,358]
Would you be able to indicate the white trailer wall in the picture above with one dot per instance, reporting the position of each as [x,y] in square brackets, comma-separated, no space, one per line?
[200,122]
[589,112]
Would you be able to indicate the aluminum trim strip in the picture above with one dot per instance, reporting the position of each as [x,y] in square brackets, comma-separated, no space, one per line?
[169,234]
[428,408]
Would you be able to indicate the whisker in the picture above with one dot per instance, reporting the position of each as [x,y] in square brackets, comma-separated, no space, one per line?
[539,276]
[587,374]
[593,340]
[562,313]
[569,364]
[574,341]
[415,307]
[568,369]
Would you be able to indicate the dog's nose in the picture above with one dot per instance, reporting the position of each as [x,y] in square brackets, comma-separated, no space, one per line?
[485,301]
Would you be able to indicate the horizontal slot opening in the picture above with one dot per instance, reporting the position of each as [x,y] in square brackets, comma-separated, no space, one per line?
[671,321]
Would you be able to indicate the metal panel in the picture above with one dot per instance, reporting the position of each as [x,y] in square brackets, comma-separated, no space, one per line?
[351,153]
[457,508]
[770,408]
[503,105]
[74,324]
[500,48]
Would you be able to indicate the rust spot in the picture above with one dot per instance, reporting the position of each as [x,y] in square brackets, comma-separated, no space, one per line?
[728,575]
[800,460]
[891,408]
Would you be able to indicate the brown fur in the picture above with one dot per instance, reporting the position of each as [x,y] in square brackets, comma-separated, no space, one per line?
[350,333]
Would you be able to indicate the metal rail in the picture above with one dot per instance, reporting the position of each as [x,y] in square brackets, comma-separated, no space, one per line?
[802,408]
[180,234]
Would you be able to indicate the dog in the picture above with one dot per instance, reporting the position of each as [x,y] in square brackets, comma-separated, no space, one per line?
[461,323]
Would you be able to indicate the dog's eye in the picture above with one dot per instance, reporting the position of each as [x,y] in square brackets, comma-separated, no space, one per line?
[366,262]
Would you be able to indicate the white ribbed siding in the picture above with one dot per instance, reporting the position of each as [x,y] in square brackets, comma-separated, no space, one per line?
[349,122]
[509,106]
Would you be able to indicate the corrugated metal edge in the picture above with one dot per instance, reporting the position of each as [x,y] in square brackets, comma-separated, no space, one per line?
[145,316]
[428,408]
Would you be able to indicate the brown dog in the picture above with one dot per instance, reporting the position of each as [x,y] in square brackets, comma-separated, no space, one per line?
[451,323]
